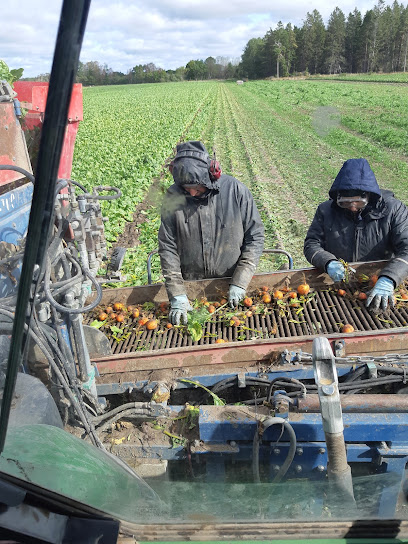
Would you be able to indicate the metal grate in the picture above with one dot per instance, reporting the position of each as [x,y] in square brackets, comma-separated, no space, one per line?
[323,314]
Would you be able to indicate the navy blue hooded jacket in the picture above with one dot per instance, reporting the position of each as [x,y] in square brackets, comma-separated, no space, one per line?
[379,232]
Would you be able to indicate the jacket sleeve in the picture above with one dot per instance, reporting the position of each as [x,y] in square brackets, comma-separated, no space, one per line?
[253,243]
[169,257]
[397,268]
[315,241]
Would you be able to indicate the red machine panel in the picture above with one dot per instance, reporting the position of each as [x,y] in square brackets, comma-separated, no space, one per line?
[33,96]
[13,149]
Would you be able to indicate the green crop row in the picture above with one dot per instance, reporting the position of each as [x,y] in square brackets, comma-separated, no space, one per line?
[127,134]
[285,139]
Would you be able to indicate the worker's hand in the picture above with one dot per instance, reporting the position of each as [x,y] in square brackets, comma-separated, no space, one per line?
[335,270]
[382,292]
[179,308]
[235,295]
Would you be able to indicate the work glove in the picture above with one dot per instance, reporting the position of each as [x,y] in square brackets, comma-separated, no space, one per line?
[335,270]
[178,310]
[382,292]
[235,295]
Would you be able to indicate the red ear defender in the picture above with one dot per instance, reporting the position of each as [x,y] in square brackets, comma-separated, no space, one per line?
[214,169]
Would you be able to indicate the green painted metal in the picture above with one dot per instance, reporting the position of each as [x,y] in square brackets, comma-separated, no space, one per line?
[58,461]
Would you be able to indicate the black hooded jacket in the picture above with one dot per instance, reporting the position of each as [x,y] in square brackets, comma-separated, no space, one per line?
[216,236]
[379,232]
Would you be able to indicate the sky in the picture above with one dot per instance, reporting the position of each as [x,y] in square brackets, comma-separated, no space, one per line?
[169,33]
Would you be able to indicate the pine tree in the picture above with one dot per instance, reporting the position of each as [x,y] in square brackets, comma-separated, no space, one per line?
[353,49]
[313,41]
[334,52]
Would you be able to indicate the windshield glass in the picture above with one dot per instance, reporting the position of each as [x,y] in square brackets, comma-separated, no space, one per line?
[210,338]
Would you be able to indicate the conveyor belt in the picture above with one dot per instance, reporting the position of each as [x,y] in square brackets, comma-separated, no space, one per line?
[324,314]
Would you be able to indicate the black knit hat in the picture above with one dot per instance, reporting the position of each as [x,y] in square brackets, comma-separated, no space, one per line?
[191,165]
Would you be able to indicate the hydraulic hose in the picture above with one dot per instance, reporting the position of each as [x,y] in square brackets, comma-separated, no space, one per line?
[64,68]
[64,309]
[138,413]
[291,452]
[7,327]
[134,405]
[78,185]
[18,169]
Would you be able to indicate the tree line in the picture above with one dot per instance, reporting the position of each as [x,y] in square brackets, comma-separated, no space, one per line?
[95,73]
[375,42]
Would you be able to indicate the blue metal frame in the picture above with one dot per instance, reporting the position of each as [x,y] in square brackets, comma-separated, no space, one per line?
[15,208]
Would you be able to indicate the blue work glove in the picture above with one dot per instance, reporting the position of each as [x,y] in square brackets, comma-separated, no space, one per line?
[235,295]
[382,292]
[179,308]
[335,270]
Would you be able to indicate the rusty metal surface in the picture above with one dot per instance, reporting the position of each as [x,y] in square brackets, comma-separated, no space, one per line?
[359,403]
[218,287]
[261,339]
[242,354]
[209,529]
[13,149]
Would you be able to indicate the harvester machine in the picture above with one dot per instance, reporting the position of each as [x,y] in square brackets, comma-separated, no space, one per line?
[235,428]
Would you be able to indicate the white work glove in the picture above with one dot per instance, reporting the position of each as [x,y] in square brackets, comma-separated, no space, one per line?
[178,310]
[382,292]
[335,270]
[235,295]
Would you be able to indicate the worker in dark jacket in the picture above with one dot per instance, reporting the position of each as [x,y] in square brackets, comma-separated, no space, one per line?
[210,228]
[360,222]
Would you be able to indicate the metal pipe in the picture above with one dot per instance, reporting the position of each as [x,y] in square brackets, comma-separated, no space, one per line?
[283,252]
[338,471]
[358,403]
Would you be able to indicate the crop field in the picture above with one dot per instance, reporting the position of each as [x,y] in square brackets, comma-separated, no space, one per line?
[285,139]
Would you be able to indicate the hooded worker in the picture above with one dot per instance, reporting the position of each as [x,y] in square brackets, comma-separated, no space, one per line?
[360,222]
[210,228]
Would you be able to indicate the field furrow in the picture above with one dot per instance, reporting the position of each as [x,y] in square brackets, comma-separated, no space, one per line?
[286,140]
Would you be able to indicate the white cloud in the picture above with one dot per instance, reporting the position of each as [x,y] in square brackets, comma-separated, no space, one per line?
[122,34]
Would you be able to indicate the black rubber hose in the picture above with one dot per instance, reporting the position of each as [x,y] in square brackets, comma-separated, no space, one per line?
[64,68]
[78,185]
[18,169]
[64,309]
[135,405]
[291,453]
[36,338]
[87,426]
[132,412]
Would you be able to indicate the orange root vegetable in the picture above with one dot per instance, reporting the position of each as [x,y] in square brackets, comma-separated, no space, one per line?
[151,324]
[303,289]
